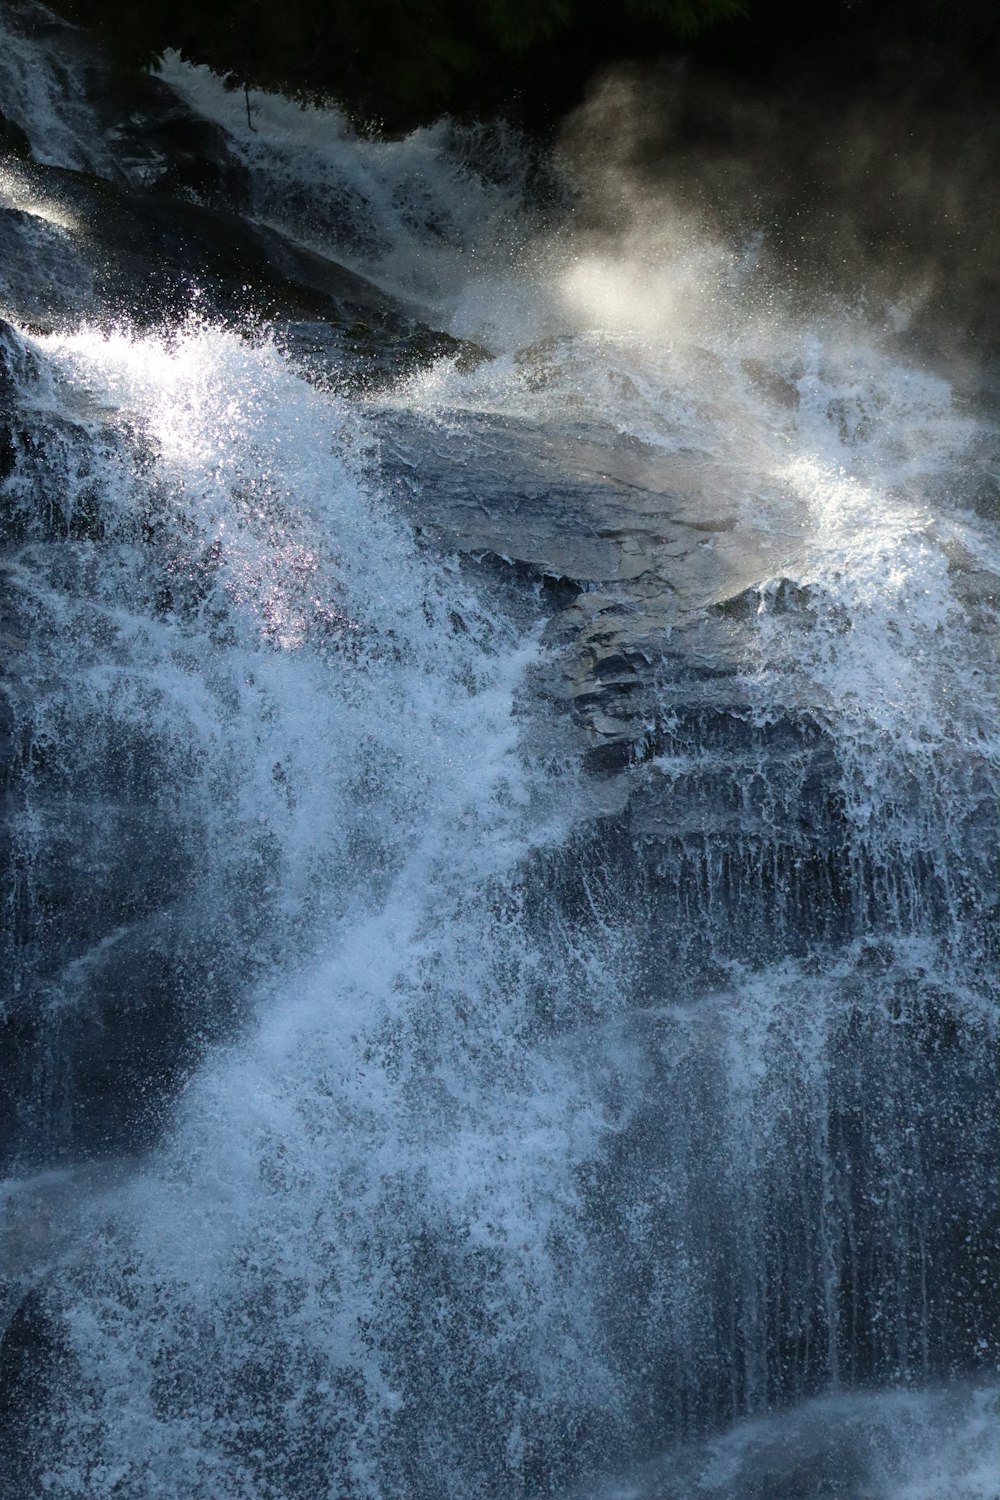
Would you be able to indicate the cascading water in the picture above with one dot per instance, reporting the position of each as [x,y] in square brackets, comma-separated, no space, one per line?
[503,939]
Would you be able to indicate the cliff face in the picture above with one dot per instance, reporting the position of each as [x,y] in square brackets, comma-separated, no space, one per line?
[500,757]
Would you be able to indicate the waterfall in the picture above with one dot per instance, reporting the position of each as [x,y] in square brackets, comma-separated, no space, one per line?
[501,864]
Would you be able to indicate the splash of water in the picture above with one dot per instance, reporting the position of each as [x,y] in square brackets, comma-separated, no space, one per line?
[531,1143]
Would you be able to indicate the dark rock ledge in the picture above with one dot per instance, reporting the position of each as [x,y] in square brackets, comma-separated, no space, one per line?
[650,562]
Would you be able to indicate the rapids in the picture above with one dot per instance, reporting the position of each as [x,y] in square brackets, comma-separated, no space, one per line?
[501,863]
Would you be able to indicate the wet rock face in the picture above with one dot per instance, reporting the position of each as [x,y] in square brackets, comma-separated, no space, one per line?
[147,224]
[657,564]
[142,254]
[13,140]
[790,1192]
[655,573]
[579,502]
[102,1001]
[138,134]
[10,352]
[77,247]
[101,988]
[33,1358]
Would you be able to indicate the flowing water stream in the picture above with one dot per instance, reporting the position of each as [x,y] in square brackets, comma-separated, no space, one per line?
[406,1103]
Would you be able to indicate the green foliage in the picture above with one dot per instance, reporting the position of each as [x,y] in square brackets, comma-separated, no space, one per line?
[516,25]
[686,18]
[404,61]
[389,57]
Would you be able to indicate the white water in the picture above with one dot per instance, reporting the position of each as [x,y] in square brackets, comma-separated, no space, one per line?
[43,92]
[479,1192]
[422,215]
[388,1092]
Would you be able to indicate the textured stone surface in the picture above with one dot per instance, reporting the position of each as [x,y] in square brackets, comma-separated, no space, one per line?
[657,557]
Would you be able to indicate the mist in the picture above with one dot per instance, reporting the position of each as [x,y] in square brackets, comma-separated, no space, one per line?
[807,200]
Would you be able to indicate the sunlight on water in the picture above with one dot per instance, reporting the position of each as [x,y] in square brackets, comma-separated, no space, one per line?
[18,193]
[510,1146]
[418,215]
